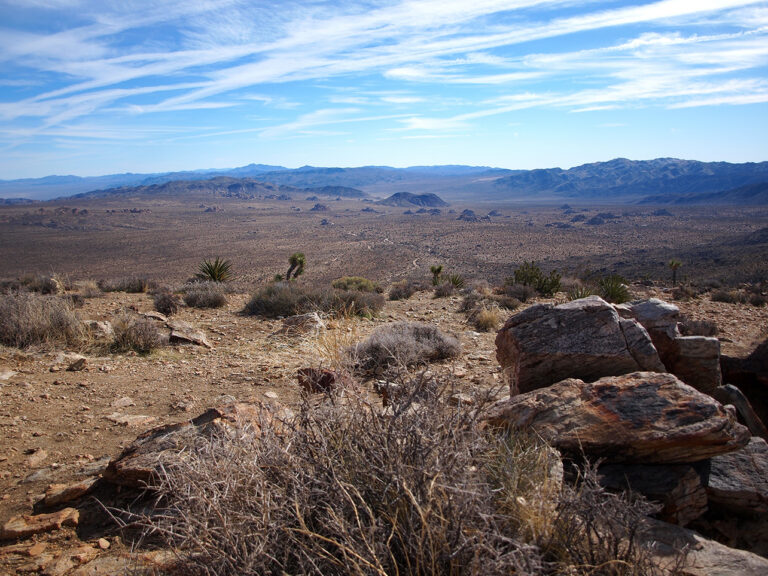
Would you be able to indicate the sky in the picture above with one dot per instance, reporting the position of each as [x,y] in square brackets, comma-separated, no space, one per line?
[92,87]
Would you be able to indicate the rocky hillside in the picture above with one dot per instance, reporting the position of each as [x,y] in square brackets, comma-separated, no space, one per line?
[408,199]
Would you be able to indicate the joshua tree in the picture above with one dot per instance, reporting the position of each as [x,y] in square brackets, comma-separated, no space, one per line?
[674,265]
[297,262]
[436,271]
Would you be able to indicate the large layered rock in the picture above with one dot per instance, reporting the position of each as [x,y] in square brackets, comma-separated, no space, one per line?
[739,480]
[642,417]
[750,375]
[137,465]
[693,359]
[583,339]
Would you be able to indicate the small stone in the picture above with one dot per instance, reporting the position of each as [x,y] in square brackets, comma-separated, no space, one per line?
[37,548]
[36,457]
[57,494]
[103,543]
[123,402]
[130,420]
[77,365]
[461,400]
[271,395]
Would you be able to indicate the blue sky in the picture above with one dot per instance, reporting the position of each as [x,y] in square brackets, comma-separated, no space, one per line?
[98,87]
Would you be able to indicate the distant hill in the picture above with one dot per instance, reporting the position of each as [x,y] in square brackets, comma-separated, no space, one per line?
[665,179]
[660,181]
[221,186]
[407,199]
[749,195]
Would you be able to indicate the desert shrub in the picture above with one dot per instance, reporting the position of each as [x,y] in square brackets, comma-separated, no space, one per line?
[77,299]
[729,296]
[136,333]
[402,290]
[418,489]
[357,283]
[684,292]
[133,285]
[486,318]
[613,289]
[757,299]
[205,295]
[404,344]
[288,299]
[354,303]
[444,290]
[166,302]
[217,270]
[33,319]
[471,301]
[43,283]
[520,292]
[89,289]
[506,301]
[529,274]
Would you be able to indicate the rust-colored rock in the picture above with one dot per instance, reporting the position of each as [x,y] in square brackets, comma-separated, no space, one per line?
[644,417]
[138,464]
[583,339]
[28,525]
[57,494]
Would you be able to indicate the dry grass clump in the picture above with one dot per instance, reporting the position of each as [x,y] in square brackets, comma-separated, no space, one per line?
[358,283]
[283,299]
[205,295]
[486,318]
[88,289]
[135,333]
[32,319]
[444,290]
[420,488]
[132,285]
[43,283]
[403,344]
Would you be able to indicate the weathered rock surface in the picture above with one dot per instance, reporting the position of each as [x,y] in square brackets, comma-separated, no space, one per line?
[704,558]
[693,359]
[583,339]
[677,487]
[302,323]
[750,375]
[57,494]
[28,525]
[99,329]
[643,417]
[185,333]
[739,480]
[138,464]
[730,394]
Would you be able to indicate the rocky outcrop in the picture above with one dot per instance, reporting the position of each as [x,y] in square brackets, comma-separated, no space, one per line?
[137,466]
[29,525]
[693,359]
[583,339]
[739,480]
[642,417]
[750,375]
[730,394]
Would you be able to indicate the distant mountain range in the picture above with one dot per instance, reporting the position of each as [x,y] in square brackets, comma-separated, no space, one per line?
[659,181]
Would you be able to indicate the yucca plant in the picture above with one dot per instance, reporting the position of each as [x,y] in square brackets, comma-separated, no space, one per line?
[457,280]
[613,289]
[215,271]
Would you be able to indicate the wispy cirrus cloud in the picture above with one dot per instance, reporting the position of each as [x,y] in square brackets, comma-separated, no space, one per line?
[446,63]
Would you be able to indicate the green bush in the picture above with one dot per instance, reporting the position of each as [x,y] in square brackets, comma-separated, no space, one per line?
[214,270]
[357,283]
[580,291]
[283,299]
[529,274]
[32,319]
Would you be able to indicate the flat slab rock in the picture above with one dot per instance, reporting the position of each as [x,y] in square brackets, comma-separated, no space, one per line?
[739,480]
[29,525]
[643,417]
[584,339]
[138,464]
[185,333]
